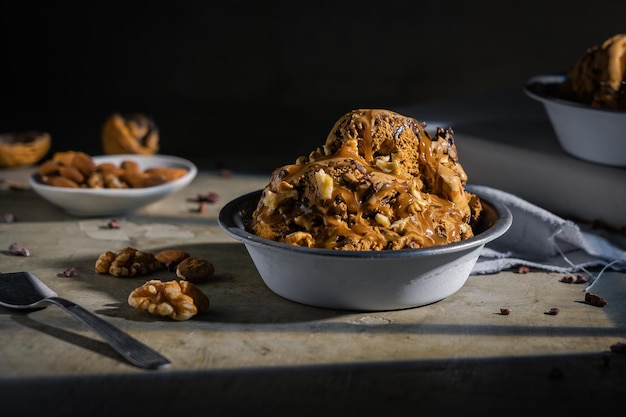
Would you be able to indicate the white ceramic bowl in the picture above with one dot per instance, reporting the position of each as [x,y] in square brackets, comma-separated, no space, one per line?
[91,202]
[591,134]
[362,280]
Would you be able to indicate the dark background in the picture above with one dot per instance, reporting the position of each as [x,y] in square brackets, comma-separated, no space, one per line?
[249,85]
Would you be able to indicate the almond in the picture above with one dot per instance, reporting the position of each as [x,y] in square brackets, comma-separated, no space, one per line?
[171,257]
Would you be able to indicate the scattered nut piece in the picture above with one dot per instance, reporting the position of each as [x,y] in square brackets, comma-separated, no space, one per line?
[505,311]
[553,311]
[179,300]
[170,258]
[126,262]
[569,279]
[17,249]
[195,270]
[209,197]
[114,224]
[595,300]
[69,272]
[580,279]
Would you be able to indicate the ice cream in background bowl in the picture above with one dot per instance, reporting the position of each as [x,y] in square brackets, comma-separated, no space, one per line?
[586,104]
[597,78]
[379,217]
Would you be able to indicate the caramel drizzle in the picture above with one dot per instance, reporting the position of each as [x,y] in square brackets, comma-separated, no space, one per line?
[362,204]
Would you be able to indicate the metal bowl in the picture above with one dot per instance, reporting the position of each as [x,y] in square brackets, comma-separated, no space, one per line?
[585,132]
[362,280]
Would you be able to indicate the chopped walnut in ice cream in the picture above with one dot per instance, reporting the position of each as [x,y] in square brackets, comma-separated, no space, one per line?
[379,182]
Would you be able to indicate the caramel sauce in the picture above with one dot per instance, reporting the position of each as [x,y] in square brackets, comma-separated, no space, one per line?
[352,216]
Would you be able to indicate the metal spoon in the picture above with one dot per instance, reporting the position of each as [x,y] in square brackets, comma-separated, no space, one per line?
[23,290]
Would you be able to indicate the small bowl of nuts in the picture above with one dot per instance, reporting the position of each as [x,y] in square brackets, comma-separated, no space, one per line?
[109,185]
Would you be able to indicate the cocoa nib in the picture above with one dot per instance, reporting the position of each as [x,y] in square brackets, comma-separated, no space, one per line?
[210,197]
[19,250]
[595,300]
[553,311]
[114,224]
[569,279]
[69,272]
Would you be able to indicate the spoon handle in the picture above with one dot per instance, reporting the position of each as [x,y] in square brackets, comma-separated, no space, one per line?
[130,348]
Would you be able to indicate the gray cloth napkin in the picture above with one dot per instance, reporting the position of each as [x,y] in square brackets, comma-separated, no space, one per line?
[539,239]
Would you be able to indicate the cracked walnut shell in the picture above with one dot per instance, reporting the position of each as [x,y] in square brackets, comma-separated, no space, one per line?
[23,148]
[126,262]
[133,134]
[179,300]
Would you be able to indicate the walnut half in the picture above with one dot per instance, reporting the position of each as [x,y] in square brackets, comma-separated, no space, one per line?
[126,262]
[179,300]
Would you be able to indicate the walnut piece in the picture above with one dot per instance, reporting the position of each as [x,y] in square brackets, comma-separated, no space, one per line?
[179,300]
[127,262]
[170,258]
[17,249]
[195,270]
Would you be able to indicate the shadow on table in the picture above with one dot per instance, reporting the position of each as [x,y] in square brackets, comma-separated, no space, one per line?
[522,386]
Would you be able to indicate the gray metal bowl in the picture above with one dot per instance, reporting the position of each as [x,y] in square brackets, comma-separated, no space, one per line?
[362,280]
[588,133]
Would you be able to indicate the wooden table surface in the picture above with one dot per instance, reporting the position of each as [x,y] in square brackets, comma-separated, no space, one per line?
[255,352]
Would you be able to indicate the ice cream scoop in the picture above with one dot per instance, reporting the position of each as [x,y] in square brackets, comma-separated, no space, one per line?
[379,182]
[597,77]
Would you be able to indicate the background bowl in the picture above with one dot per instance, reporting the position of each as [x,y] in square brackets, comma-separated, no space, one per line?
[588,133]
[95,202]
[362,280]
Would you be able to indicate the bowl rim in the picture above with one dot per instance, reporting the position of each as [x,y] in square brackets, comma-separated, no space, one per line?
[537,87]
[36,183]
[230,221]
